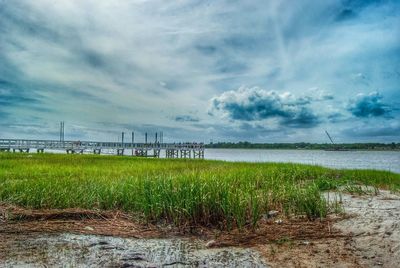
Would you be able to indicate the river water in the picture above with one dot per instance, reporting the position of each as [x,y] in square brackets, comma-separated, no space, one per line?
[381,160]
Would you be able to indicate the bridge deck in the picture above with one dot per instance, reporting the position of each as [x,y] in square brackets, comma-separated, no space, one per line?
[172,150]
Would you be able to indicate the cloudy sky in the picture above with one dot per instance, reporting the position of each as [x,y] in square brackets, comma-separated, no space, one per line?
[261,71]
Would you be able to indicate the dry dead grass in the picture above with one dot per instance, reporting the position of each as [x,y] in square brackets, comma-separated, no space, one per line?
[288,243]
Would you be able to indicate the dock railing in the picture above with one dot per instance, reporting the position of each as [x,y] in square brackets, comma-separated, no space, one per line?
[97,146]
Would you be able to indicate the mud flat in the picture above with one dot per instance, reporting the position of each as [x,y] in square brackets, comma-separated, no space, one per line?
[105,251]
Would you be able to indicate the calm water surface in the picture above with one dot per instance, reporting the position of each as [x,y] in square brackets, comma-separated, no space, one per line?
[382,160]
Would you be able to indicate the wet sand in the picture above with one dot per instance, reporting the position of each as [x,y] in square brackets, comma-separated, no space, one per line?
[105,251]
[374,228]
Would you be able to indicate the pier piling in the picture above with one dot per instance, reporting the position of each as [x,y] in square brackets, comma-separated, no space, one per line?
[185,153]
[120,151]
[172,150]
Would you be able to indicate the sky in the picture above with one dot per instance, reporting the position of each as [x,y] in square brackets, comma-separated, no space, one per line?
[258,71]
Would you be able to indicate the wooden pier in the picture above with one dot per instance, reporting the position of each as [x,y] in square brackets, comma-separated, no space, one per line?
[171,150]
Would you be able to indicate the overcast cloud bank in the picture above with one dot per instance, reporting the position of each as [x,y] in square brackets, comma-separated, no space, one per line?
[264,70]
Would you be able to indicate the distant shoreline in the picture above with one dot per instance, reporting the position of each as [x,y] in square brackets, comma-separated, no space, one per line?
[308,146]
[309,149]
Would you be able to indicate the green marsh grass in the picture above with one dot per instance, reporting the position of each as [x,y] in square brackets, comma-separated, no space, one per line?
[182,192]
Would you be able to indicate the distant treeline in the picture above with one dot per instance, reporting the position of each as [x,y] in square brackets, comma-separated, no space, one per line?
[304,145]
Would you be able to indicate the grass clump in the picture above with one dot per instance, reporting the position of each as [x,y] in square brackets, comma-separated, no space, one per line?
[183,192]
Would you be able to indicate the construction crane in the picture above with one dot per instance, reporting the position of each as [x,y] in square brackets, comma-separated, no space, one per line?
[335,146]
[329,136]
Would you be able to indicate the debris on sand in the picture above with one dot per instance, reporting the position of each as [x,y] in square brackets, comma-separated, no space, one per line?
[367,236]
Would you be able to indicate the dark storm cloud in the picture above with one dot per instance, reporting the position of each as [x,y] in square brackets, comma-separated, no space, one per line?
[345,14]
[3,115]
[361,4]
[12,95]
[13,18]
[302,118]
[229,66]
[254,104]
[77,49]
[370,105]
[243,42]
[94,59]
[336,117]
[206,49]
[186,118]
[376,131]
[352,8]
